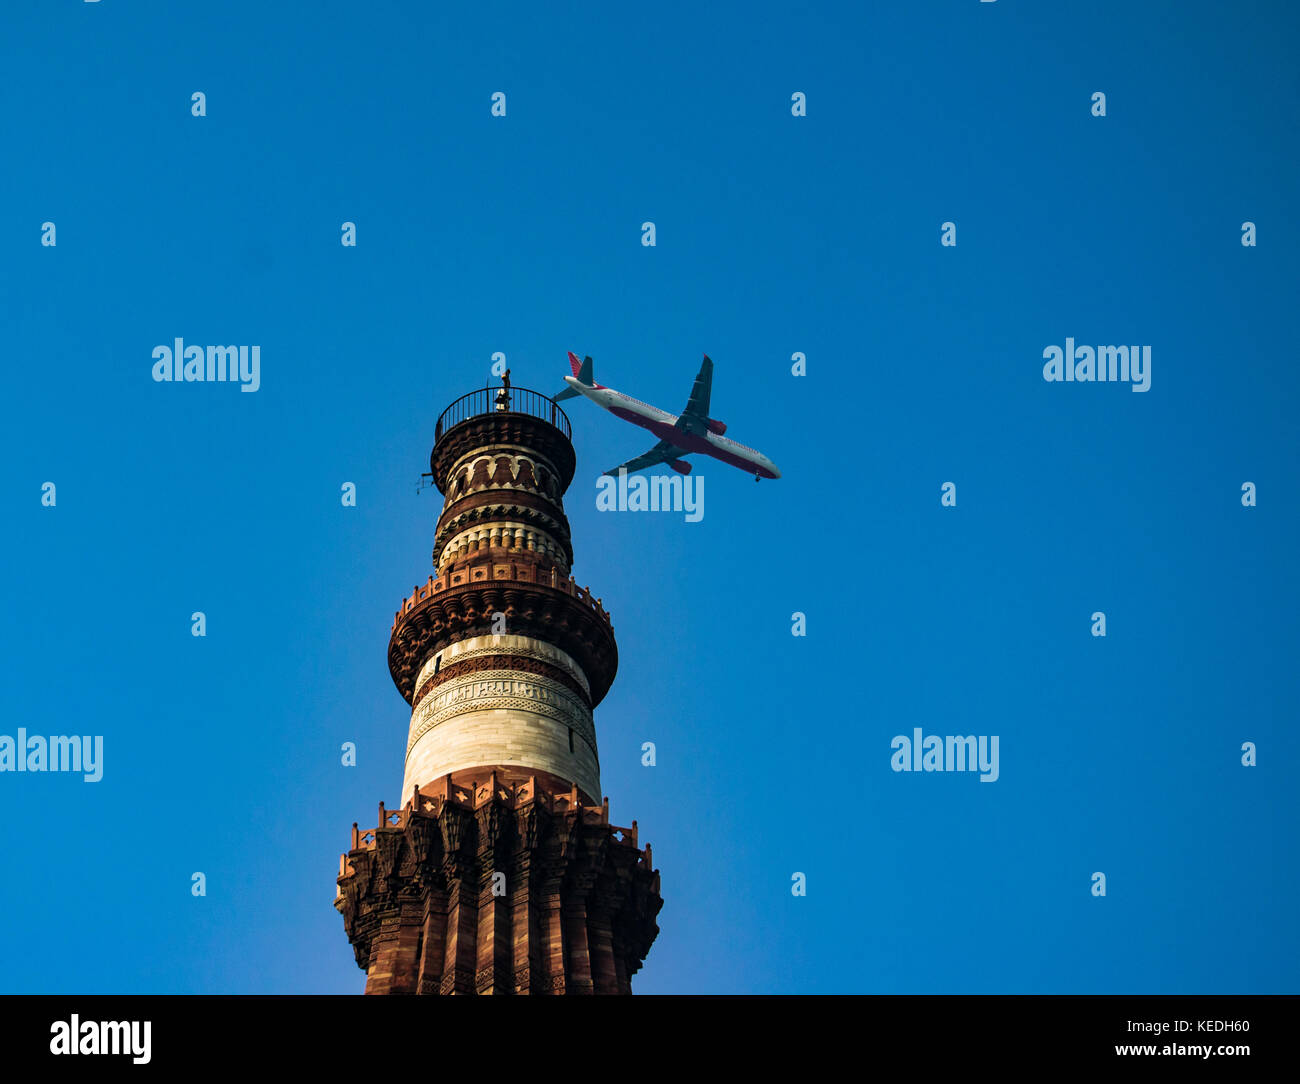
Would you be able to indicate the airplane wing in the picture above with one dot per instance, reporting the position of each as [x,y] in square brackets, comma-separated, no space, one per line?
[697,406]
[660,453]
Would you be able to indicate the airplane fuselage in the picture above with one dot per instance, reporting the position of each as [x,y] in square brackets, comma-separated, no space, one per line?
[664,426]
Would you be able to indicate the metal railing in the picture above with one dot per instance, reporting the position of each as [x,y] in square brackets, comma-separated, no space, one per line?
[503,401]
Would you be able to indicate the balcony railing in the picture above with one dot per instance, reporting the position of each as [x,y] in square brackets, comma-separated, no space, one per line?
[503,401]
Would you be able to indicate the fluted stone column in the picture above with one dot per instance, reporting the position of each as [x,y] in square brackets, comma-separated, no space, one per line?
[501,873]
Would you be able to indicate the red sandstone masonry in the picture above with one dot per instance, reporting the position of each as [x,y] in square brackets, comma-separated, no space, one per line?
[416,894]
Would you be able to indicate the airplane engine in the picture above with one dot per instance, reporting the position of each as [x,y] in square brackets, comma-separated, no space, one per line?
[715,426]
[680,466]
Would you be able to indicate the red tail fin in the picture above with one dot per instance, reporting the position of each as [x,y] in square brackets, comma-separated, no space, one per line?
[574,364]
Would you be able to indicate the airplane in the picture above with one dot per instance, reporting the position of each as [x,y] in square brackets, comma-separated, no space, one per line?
[692,431]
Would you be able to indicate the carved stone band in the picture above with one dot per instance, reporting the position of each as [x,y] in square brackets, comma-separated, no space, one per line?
[506,689]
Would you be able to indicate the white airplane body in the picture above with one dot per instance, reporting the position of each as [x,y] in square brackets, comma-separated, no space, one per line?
[691,432]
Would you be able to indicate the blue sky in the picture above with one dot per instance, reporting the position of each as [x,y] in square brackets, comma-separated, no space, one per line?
[775,234]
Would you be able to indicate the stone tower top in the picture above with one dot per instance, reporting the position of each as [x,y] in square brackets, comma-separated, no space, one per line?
[502,459]
[502,550]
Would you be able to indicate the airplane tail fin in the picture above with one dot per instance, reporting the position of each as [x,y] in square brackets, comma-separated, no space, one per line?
[582,370]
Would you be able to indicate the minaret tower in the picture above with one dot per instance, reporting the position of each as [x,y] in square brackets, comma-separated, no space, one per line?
[500,871]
